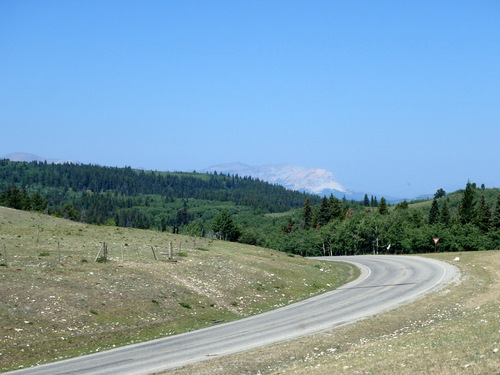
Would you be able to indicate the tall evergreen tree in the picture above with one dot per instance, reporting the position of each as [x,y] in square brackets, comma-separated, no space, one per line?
[483,215]
[445,216]
[14,198]
[495,219]
[466,209]
[335,206]
[25,201]
[323,213]
[366,201]
[382,207]
[307,215]
[434,212]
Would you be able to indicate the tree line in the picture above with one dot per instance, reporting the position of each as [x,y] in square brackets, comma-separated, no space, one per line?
[137,198]
[131,183]
[246,210]
[332,228]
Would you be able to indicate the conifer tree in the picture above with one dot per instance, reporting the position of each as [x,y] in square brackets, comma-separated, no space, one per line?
[382,207]
[366,201]
[483,215]
[495,219]
[335,206]
[434,212]
[445,216]
[307,216]
[466,209]
[324,213]
[14,199]
[25,201]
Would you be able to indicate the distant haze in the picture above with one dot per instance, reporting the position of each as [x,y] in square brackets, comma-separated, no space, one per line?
[23,156]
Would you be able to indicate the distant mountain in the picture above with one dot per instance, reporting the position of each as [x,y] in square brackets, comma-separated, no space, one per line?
[23,156]
[310,180]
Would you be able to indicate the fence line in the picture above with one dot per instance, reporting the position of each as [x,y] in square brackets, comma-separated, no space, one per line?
[18,254]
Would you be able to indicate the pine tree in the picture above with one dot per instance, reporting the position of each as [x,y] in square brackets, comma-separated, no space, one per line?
[25,201]
[466,210]
[495,220]
[14,199]
[445,216]
[324,213]
[307,214]
[366,201]
[434,212]
[483,215]
[382,207]
[335,206]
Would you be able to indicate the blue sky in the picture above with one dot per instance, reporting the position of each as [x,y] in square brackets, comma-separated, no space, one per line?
[393,97]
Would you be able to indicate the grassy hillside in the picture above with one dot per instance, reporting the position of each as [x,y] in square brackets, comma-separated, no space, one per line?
[56,302]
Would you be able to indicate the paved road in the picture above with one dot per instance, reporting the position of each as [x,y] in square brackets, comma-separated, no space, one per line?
[385,283]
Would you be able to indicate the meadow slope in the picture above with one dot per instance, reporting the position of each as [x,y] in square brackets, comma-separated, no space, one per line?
[57,302]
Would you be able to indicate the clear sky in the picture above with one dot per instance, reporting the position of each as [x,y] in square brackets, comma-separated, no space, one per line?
[393,97]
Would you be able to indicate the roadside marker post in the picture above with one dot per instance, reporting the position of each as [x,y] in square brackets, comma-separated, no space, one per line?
[436,240]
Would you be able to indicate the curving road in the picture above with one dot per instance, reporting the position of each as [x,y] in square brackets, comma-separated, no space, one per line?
[385,283]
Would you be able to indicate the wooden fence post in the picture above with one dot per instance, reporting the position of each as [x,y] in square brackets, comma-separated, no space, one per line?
[5,256]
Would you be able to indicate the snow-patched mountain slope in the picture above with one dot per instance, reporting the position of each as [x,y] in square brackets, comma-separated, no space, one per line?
[312,180]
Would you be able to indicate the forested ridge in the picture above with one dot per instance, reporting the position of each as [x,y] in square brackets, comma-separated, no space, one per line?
[135,198]
[129,182]
[255,212]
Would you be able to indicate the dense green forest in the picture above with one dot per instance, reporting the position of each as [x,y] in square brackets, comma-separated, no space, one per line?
[251,211]
[465,220]
[137,198]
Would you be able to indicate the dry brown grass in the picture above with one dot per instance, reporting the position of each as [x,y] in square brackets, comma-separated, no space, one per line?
[54,307]
[454,331]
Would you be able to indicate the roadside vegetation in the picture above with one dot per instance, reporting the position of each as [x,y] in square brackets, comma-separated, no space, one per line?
[57,301]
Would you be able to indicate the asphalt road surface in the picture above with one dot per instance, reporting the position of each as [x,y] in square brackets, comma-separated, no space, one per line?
[385,283]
